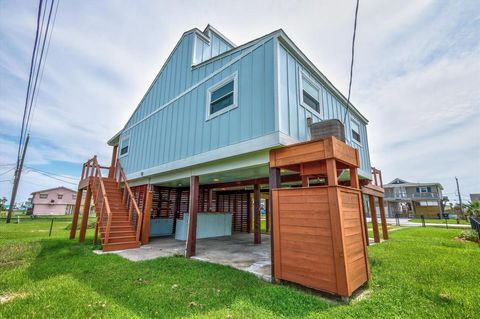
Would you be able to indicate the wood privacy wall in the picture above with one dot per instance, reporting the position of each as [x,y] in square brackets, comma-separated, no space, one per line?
[319,238]
[170,202]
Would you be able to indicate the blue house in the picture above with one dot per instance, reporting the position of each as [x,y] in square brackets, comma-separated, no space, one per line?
[215,110]
[211,117]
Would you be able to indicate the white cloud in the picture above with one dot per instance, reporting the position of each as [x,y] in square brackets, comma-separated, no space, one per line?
[416,73]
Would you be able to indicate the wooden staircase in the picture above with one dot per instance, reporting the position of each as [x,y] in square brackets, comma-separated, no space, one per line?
[118,218]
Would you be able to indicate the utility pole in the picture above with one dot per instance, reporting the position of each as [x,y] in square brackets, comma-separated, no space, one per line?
[16,181]
[459,196]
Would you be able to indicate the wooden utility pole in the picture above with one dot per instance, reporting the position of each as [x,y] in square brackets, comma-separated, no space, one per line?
[16,181]
[459,196]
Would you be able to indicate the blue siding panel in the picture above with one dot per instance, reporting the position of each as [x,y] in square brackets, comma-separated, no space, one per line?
[293,115]
[179,129]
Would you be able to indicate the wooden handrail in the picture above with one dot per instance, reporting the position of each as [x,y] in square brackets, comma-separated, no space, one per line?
[128,194]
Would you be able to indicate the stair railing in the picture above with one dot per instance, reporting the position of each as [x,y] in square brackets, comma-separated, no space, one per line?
[104,215]
[135,216]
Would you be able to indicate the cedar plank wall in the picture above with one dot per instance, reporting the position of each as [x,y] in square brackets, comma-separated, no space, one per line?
[308,230]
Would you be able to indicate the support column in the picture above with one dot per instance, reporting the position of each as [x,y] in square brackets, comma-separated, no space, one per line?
[274,182]
[76,212]
[267,215]
[147,212]
[332,172]
[354,182]
[373,215]
[383,218]
[192,217]
[111,171]
[256,214]
[86,210]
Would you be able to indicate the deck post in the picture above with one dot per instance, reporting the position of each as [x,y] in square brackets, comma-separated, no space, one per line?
[373,215]
[192,217]
[76,212]
[354,178]
[111,171]
[382,217]
[147,212]
[86,210]
[256,214]
[332,172]
[267,215]
[274,182]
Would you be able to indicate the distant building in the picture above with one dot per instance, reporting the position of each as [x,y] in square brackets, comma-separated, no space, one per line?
[474,197]
[413,199]
[54,201]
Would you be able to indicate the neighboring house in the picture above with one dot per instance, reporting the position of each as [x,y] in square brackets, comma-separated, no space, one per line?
[413,199]
[474,197]
[53,201]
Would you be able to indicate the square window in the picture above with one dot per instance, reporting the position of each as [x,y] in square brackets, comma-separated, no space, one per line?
[60,196]
[310,94]
[356,132]
[222,97]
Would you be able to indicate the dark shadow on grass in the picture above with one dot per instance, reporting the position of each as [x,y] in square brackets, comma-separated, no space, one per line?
[168,286]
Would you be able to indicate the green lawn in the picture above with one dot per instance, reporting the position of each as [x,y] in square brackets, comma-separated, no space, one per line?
[438,221]
[419,273]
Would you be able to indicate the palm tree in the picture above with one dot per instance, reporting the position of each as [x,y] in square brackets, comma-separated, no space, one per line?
[473,209]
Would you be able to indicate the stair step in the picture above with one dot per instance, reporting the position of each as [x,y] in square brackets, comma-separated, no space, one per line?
[121,246]
[120,239]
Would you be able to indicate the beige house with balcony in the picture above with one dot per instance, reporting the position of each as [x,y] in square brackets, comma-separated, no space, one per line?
[413,199]
[53,201]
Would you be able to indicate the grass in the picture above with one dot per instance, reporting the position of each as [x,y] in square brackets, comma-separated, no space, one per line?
[438,221]
[419,273]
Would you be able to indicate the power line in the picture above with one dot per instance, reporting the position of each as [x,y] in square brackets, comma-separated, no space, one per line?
[7,171]
[29,81]
[56,178]
[50,173]
[43,66]
[39,64]
[351,64]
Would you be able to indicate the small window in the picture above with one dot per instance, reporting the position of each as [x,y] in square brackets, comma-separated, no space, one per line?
[222,97]
[74,196]
[124,146]
[356,132]
[310,93]
[59,196]
[43,196]
[422,189]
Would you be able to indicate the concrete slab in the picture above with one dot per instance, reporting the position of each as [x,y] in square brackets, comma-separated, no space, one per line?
[237,251]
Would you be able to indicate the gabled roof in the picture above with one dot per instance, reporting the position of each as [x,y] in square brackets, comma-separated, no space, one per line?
[51,189]
[399,181]
[284,40]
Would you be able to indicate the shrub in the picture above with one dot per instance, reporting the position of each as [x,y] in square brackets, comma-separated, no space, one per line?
[469,234]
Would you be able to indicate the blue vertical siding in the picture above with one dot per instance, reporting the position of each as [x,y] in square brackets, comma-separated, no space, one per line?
[205,49]
[293,116]
[179,129]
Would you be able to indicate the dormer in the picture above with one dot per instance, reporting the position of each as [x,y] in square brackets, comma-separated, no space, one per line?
[208,44]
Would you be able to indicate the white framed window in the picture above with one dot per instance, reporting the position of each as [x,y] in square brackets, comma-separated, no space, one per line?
[423,189]
[222,97]
[43,195]
[355,128]
[310,93]
[124,146]
[59,196]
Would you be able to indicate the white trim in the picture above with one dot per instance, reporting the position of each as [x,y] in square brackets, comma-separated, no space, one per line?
[120,155]
[218,85]
[220,35]
[353,120]
[301,75]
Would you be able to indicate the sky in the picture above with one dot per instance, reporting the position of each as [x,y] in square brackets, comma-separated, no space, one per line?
[416,77]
